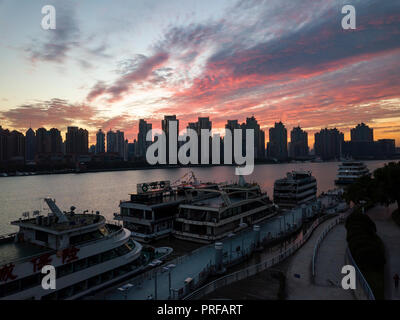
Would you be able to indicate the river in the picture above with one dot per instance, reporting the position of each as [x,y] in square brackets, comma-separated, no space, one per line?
[102,191]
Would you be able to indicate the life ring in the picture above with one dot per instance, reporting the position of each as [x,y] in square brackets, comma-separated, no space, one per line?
[145,187]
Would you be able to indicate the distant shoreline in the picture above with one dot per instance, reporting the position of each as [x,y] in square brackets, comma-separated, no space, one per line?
[156,167]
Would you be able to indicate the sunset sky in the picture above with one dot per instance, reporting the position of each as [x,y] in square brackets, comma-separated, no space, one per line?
[110,63]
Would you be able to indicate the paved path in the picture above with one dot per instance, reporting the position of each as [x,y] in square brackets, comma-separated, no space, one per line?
[389,232]
[191,265]
[331,257]
[329,263]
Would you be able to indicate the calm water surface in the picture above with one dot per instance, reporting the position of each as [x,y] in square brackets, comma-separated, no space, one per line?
[102,191]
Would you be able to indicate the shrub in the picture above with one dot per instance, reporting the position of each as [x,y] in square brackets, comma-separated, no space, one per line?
[396,216]
[367,250]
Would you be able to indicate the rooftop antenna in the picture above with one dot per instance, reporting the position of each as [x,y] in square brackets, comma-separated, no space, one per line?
[242,182]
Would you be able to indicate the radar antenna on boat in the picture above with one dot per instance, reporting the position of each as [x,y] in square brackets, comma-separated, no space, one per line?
[56,210]
[242,182]
[191,179]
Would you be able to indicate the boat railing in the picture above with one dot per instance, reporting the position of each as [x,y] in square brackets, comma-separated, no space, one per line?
[108,236]
[26,258]
[7,236]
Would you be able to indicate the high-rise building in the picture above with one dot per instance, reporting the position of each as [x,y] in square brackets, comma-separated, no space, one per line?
[362,133]
[231,125]
[30,145]
[12,145]
[277,145]
[16,146]
[142,144]
[116,143]
[126,149]
[259,138]
[203,123]
[298,146]
[132,150]
[328,144]
[121,143]
[55,141]
[100,142]
[43,143]
[111,142]
[165,124]
[76,141]
[385,147]
[3,144]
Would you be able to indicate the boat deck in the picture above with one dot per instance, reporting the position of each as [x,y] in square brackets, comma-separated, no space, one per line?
[215,202]
[74,221]
[10,251]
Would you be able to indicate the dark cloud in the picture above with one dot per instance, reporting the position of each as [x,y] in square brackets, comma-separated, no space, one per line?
[140,71]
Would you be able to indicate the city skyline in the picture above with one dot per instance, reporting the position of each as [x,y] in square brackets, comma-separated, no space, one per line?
[280,144]
[227,60]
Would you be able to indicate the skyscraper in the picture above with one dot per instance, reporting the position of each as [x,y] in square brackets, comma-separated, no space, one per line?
[111,142]
[362,143]
[3,144]
[30,145]
[362,133]
[142,144]
[165,127]
[55,141]
[298,143]
[328,144]
[43,144]
[277,145]
[76,141]
[16,146]
[121,143]
[203,123]
[100,142]
[259,138]
[231,125]
[116,143]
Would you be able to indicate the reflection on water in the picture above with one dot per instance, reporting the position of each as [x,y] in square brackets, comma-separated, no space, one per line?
[102,191]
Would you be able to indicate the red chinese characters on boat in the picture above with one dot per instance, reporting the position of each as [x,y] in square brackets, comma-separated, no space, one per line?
[69,254]
[40,262]
[6,272]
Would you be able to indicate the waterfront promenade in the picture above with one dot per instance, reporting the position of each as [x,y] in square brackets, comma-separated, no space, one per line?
[329,262]
[389,232]
[192,265]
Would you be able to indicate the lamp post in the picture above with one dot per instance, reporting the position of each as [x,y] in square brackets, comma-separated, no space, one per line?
[293,213]
[363,202]
[230,236]
[155,285]
[280,224]
[169,283]
[125,289]
[170,267]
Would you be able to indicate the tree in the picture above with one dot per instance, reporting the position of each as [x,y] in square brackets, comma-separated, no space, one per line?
[387,181]
[361,190]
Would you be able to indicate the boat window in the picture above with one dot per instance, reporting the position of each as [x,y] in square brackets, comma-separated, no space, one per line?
[41,236]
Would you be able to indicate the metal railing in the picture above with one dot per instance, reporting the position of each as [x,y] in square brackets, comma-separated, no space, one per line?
[252,270]
[366,291]
[319,242]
